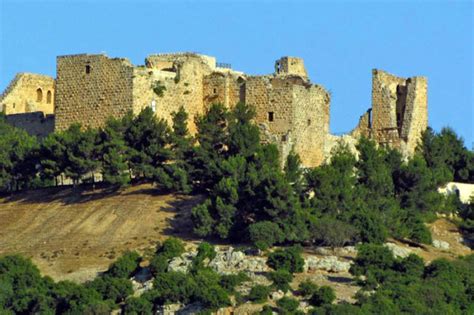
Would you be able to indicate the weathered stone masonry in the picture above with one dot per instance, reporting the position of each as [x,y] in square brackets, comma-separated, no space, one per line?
[292,112]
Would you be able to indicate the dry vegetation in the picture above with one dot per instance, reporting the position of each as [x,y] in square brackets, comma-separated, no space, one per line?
[72,234]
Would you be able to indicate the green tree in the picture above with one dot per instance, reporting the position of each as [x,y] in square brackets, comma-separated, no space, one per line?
[80,152]
[148,142]
[288,259]
[113,153]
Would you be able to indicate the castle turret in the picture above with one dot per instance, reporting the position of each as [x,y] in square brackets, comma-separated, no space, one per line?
[290,66]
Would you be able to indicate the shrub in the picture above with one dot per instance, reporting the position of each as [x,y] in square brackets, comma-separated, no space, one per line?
[307,288]
[158,264]
[265,234]
[125,266]
[213,297]
[172,247]
[172,287]
[259,293]
[334,233]
[137,306]
[288,304]
[266,310]
[281,279]
[324,295]
[205,250]
[229,282]
[114,289]
[158,88]
[289,259]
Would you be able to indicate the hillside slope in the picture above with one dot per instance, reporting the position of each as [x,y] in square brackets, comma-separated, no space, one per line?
[72,233]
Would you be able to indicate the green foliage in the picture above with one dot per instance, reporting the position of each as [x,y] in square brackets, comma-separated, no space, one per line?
[328,231]
[266,310]
[171,247]
[125,266]
[265,234]
[80,152]
[446,154]
[259,293]
[289,259]
[229,282]
[288,305]
[173,287]
[205,251]
[17,158]
[114,289]
[324,295]
[281,279]
[158,88]
[113,153]
[307,288]
[137,306]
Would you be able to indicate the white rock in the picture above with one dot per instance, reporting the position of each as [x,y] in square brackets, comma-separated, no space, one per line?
[182,263]
[398,251]
[329,263]
[440,244]
[276,295]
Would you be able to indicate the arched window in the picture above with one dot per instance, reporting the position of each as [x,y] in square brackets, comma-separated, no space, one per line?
[88,69]
[39,95]
[48,97]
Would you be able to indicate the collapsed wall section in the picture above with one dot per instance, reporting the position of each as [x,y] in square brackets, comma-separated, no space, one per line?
[28,93]
[92,88]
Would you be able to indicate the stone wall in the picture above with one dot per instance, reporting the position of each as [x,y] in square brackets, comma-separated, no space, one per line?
[28,93]
[182,81]
[36,124]
[92,88]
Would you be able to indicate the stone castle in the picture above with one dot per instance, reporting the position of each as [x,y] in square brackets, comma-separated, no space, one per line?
[291,111]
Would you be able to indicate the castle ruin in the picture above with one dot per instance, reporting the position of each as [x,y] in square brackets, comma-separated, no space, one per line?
[292,112]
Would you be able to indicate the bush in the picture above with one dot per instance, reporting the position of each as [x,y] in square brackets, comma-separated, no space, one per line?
[259,293]
[289,259]
[288,305]
[324,295]
[334,233]
[205,250]
[125,266]
[158,264]
[281,279]
[173,287]
[265,234]
[266,310]
[307,288]
[114,289]
[172,247]
[213,297]
[229,282]
[137,306]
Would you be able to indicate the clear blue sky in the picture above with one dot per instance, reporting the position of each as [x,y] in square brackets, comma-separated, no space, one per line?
[340,42]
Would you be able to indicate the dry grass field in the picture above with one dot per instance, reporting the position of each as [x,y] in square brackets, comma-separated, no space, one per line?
[73,233]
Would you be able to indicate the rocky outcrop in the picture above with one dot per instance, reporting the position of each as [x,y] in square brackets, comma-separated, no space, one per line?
[329,263]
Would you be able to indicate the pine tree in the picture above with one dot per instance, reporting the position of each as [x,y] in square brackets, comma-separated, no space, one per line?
[113,150]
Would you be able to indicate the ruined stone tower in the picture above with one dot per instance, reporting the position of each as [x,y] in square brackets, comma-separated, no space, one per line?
[399,112]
